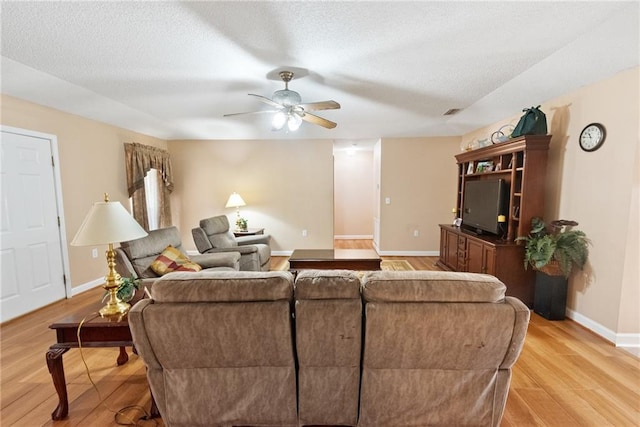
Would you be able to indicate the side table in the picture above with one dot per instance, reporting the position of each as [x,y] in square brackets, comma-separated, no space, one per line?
[249,232]
[97,332]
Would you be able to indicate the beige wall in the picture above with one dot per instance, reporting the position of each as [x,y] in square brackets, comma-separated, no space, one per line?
[91,163]
[353,193]
[597,189]
[287,185]
[419,176]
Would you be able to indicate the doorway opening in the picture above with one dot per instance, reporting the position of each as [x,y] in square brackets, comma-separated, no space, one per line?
[356,189]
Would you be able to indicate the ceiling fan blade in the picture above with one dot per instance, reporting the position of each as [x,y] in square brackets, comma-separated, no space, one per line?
[251,112]
[317,120]
[266,100]
[322,105]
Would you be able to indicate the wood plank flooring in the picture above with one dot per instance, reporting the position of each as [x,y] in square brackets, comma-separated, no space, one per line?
[566,375]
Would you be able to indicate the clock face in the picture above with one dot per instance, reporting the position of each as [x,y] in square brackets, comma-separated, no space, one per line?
[592,137]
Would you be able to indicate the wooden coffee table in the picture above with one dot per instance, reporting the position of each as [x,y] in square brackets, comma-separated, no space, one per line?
[329,259]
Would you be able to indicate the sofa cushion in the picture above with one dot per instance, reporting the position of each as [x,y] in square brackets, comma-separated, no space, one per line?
[327,284]
[431,286]
[172,259]
[222,286]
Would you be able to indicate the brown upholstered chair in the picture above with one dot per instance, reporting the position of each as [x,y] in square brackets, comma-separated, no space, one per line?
[214,236]
[438,348]
[219,348]
[328,310]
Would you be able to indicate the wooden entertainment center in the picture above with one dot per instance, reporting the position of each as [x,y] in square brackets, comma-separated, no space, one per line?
[522,163]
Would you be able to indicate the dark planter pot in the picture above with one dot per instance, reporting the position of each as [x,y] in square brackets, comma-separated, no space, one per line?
[550,298]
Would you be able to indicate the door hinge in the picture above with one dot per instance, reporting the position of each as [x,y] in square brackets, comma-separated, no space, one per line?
[53,163]
[64,279]
[58,222]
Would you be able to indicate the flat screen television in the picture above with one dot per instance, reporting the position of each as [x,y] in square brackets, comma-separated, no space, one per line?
[483,201]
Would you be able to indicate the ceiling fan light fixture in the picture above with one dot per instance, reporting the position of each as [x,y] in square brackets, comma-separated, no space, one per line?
[289,109]
[279,120]
[287,97]
[294,121]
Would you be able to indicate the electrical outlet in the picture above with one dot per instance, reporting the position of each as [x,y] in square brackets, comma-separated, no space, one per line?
[387,200]
[304,233]
[416,233]
[94,252]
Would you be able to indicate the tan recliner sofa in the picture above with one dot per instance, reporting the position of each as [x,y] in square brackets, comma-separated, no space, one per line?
[431,348]
[219,348]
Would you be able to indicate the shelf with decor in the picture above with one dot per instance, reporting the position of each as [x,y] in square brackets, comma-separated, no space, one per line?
[520,163]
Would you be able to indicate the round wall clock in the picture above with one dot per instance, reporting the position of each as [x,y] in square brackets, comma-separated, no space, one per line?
[592,137]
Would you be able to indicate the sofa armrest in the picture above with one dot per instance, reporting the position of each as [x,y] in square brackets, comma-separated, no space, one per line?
[139,334]
[219,259]
[522,315]
[253,240]
[201,240]
[123,265]
[242,249]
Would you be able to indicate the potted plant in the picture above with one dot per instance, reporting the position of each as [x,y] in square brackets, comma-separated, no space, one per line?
[241,224]
[554,250]
[126,289]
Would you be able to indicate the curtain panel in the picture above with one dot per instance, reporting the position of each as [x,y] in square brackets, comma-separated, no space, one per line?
[139,159]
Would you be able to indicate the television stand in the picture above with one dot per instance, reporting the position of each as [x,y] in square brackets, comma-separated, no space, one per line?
[522,163]
[462,250]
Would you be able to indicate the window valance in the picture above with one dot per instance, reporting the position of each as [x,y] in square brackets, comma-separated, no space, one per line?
[140,159]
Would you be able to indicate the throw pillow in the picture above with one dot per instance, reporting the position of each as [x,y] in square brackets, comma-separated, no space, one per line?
[172,259]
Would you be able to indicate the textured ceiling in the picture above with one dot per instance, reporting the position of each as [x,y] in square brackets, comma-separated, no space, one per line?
[173,69]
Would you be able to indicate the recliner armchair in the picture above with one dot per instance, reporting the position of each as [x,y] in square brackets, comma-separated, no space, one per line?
[214,236]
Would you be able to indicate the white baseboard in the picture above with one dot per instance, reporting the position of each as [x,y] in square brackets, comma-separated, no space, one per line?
[281,253]
[628,340]
[625,341]
[354,237]
[86,286]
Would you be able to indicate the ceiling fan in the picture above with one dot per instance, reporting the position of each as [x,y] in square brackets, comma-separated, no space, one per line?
[289,110]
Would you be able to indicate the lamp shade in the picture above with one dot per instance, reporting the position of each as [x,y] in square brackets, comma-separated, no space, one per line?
[235,201]
[107,222]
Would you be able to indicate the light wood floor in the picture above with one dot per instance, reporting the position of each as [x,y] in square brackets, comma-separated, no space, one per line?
[566,375]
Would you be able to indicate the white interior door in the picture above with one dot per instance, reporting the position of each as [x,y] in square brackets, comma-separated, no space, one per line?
[32,270]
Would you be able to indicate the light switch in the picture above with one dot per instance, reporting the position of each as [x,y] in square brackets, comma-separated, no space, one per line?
[387,200]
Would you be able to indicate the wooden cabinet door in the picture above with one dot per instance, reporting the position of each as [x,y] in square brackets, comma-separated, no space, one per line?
[451,253]
[443,246]
[474,256]
[488,260]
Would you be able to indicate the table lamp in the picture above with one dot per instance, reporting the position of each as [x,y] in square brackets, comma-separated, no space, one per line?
[105,224]
[235,201]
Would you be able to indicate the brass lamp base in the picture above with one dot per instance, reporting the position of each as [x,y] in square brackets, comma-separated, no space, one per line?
[112,282]
[114,306]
